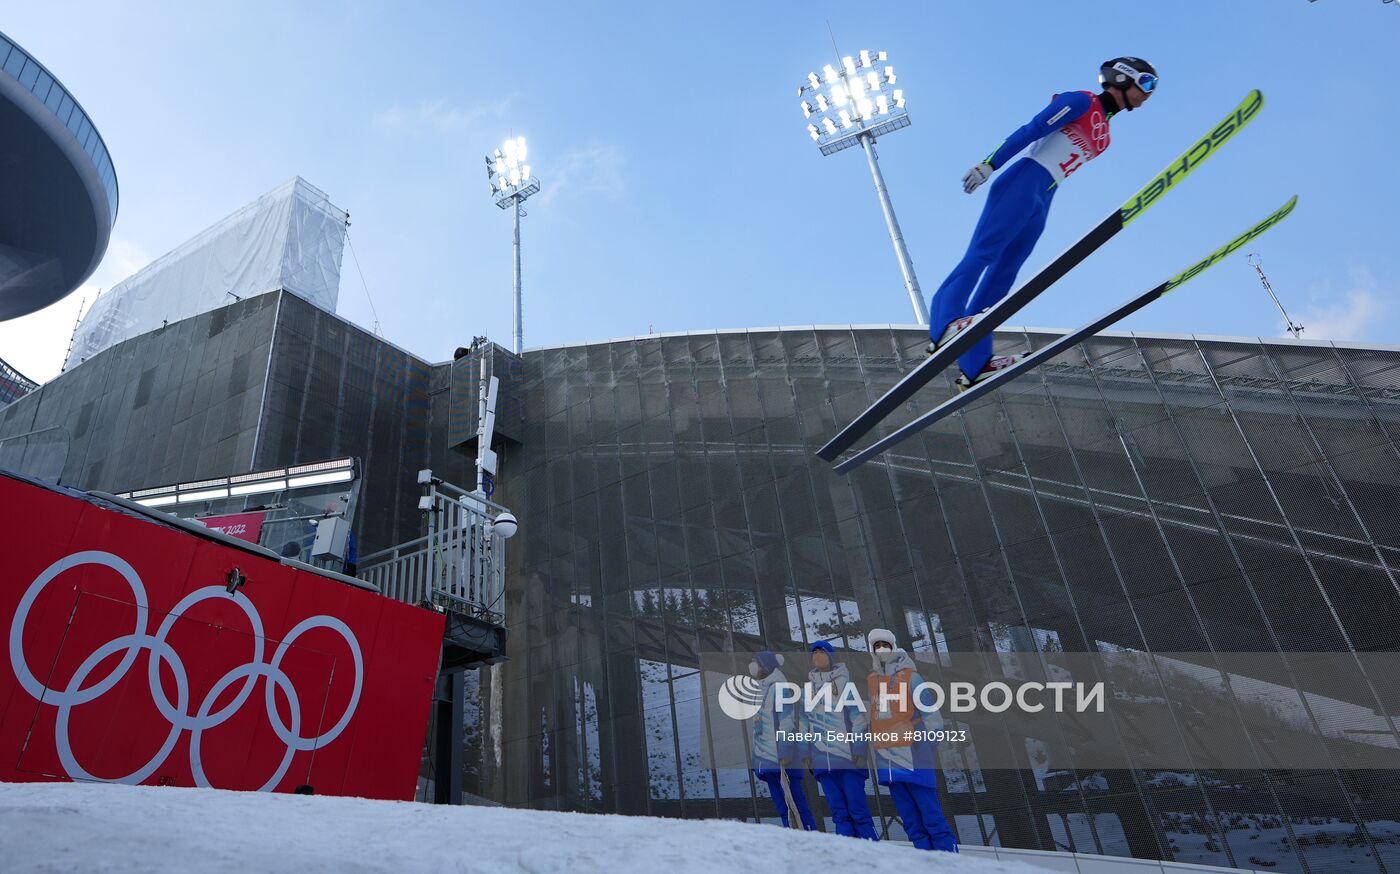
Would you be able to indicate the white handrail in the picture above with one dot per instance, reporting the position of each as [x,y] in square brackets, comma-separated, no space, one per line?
[458,565]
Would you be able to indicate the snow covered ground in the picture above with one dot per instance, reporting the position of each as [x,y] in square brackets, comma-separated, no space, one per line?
[100,827]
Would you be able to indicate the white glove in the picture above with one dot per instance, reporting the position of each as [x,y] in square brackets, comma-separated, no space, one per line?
[976,176]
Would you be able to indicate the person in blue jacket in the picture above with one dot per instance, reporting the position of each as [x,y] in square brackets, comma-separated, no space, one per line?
[839,764]
[905,762]
[771,756]
[1062,137]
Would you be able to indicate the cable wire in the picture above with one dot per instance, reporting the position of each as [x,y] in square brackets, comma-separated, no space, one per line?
[360,270]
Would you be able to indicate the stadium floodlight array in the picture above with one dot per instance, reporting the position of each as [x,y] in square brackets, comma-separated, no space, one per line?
[852,106]
[860,98]
[511,184]
[509,173]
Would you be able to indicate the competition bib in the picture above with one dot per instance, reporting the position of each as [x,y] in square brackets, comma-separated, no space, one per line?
[1074,145]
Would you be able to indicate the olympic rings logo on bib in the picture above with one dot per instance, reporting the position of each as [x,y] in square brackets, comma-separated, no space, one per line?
[1098,131]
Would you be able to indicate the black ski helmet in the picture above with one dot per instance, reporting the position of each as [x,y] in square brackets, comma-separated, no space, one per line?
[1114,73]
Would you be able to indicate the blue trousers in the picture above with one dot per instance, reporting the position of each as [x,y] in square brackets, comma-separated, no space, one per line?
[774,779]
[844,789]
[922,817]
[1011,223]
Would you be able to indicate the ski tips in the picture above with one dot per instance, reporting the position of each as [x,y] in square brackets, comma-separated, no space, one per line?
[1192,157]
[1231,247]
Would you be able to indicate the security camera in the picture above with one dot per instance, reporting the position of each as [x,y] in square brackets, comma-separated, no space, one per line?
[506,526]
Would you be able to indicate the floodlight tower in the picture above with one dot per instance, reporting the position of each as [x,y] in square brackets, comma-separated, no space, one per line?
[854,105]
[511,185]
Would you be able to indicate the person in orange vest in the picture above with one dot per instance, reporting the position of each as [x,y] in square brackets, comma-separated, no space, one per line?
[905,762]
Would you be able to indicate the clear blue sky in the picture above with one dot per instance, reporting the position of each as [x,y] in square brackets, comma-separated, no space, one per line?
[680,189]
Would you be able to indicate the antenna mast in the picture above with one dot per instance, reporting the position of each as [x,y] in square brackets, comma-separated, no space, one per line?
[1294,329]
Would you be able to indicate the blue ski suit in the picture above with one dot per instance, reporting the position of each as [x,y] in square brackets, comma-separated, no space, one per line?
[1063,136]
[909,767]
[838,763]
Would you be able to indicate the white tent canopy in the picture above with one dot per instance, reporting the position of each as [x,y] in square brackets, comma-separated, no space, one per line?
[291,238]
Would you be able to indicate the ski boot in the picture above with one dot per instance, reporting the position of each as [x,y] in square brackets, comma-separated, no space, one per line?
[995,366]
[954,328]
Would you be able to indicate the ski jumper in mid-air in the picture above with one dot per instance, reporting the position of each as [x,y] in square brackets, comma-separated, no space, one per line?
[1062,137]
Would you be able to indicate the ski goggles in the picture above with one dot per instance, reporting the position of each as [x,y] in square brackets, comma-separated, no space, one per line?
[1146,81]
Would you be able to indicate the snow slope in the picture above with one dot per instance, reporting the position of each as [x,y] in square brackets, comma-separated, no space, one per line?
[101,827]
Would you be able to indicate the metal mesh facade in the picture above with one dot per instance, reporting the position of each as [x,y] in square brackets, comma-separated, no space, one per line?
[1159,494]
[334,389]
[1152,493]
[172,405]
[258,384]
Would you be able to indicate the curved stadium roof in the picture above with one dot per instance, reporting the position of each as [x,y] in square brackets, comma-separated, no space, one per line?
[13,384]
[58,189]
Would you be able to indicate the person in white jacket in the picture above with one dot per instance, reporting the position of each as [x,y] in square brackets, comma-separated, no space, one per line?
[771,755]
[838,752]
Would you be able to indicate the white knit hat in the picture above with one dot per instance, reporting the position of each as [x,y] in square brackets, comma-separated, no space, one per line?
[880,635]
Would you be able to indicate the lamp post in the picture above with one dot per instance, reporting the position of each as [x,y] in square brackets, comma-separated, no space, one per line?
[852,106]
[511,184]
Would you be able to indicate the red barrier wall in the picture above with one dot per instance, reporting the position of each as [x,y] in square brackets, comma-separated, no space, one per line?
[127,661]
